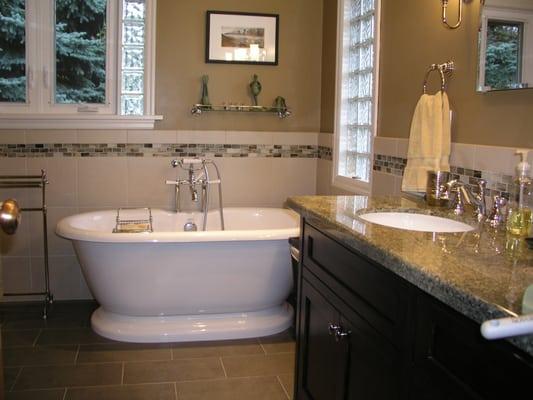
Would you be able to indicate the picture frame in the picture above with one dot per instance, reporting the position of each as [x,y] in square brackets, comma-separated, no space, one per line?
[241,38]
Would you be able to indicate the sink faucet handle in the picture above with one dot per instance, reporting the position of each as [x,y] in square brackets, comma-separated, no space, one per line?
[497,216]
[459,196]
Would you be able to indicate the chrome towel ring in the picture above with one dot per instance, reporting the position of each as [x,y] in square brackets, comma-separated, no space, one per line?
[442,69]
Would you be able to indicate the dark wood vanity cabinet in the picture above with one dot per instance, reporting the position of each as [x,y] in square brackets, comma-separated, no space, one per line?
[364,333]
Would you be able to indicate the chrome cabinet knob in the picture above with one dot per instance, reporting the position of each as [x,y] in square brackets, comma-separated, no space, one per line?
[333,328]
[338,332]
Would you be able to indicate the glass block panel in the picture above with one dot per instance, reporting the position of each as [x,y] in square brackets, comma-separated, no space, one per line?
[367,6]
[132,57]
[367,57]
[13,51]
[363,140]
[132,82]
[134,10]
[132,105]
[133,34]
[80,47]
[357,90]
[367,29]
[362,168]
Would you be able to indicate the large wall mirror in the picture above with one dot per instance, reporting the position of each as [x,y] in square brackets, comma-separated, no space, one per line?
[505,45]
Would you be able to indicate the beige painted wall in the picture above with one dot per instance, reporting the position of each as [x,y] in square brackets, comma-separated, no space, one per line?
[412,39]
[181,63]
[329,56]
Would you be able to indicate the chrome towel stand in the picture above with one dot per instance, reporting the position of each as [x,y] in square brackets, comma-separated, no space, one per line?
[34,182]
[445,68]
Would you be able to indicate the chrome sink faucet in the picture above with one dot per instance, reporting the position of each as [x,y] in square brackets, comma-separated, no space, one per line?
[463,196]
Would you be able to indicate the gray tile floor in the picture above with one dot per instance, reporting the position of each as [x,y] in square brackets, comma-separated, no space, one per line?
[61,358]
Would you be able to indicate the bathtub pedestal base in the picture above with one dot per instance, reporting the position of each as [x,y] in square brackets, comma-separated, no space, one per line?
[187,328]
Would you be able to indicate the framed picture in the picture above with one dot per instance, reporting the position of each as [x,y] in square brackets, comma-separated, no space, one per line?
[241,38]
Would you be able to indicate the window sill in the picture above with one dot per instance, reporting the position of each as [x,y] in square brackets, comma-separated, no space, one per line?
[351,185]
[35,121]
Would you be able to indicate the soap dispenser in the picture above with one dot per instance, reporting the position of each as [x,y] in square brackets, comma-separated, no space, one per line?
[519,214]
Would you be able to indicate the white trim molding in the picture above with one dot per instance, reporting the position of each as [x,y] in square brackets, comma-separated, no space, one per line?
[74,121]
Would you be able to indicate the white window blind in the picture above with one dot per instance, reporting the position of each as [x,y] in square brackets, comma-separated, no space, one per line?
[356,91]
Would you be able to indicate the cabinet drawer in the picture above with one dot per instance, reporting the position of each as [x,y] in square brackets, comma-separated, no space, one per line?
[368,288]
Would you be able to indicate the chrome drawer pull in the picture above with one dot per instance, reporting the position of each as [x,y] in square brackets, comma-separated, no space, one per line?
[333,329]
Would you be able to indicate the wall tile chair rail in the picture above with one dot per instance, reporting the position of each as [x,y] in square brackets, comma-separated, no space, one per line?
[163,150]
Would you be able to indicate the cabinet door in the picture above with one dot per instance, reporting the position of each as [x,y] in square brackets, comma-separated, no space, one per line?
[321,358]
[453,361]
[374,368]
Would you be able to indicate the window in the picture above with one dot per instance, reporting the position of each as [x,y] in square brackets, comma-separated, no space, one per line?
[77,63]
[357,63]
[505,39]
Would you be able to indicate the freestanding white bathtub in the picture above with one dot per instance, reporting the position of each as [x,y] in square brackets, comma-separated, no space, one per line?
[170,285]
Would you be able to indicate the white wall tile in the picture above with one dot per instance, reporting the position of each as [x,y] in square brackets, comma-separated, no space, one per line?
[247,182]
[57,246]
[385,146]
[65,275]
[204,137]
[152,136]
[62,174]
[12,137]
[102,182]
[325,139]
[293,177]
[102,136]
[146,182]
[243,137]
[51,136]
[382,184]
[495,159]
[402,146]
[302,138]
[462,155]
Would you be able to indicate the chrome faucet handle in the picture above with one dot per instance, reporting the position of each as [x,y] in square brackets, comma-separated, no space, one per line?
[497,216]
[459,198]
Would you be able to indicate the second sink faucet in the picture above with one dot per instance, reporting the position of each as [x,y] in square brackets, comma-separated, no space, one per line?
[462,195]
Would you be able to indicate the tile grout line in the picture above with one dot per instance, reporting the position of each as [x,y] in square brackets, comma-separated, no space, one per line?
[77,354]
[37,338]
[223,368]
[263,348]
[176,390]
[16,379]
[283,387]
[122,376]
[65,394]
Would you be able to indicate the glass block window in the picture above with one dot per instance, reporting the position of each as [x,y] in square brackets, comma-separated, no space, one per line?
[133,50]
[356,109]
[13,51]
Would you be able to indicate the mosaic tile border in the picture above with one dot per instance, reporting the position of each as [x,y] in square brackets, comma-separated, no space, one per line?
[163,150]
[498,184]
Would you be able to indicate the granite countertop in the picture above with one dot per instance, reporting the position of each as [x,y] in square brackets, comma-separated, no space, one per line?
[483,274]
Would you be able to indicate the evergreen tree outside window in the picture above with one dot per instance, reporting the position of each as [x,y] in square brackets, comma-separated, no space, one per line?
[80,42]
[503,54]
[12,51]
[77,60]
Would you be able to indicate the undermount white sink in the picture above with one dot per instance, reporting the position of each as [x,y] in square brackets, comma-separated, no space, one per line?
[416,222]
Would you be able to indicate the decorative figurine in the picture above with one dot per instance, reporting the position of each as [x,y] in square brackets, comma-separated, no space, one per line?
[279,103]
[205,95]
[255,87]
